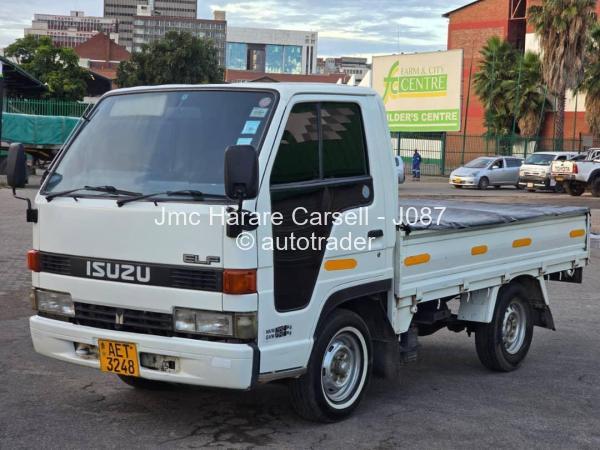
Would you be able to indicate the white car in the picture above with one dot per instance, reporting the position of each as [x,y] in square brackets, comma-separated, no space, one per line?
[399,169]
[535,171]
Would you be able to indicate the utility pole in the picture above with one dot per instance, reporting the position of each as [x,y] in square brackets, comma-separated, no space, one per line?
[462,156]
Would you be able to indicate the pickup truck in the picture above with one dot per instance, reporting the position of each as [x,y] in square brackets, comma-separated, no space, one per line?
[233,235]
[577,176]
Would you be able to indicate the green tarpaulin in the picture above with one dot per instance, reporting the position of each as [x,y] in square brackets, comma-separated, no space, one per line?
[37,130]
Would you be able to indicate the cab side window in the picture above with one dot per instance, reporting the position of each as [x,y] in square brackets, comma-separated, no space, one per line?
[498,164]
[513,162]
[298,155]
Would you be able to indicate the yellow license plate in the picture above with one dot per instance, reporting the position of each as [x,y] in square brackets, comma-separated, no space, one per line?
[529,185]
[119,357]
[457,180]
[558,178]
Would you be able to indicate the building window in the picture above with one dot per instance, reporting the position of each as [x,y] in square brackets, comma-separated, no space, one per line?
[292,59]
[236,55]
[274,59]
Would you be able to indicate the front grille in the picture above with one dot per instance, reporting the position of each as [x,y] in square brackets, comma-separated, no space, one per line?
[204,280]
[55,264]
[130,320]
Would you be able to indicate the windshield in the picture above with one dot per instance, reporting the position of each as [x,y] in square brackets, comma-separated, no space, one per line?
[162,141]
[479,163]
[539,159]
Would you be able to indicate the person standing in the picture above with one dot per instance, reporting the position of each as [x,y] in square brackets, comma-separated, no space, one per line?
[416,166]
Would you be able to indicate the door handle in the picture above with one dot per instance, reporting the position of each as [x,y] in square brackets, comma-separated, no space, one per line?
[375,234]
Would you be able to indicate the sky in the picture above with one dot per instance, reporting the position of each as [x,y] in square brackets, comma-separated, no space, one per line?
[346,27]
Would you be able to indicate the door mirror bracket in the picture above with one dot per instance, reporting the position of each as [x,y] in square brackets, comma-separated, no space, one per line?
[241,183]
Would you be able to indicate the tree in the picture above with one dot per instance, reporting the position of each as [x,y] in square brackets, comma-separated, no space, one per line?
[591,82]
[179,57]
[57,67]
[526,94]
[498,59]
[562,27]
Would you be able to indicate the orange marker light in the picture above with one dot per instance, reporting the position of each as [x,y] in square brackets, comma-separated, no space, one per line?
[237,282]
[33,261]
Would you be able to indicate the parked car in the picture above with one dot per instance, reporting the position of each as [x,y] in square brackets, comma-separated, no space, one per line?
[535,171]
[399,169]
[488,171]
[577,176]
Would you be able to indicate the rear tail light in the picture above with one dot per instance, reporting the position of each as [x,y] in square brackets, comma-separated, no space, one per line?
[33,260]
[575,168]
[238,282]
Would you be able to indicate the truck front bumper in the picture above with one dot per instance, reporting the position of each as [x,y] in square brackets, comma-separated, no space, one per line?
[204,363]
[534,181]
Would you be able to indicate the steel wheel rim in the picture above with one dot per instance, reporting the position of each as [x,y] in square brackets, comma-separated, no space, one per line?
[341,367]
[514,327]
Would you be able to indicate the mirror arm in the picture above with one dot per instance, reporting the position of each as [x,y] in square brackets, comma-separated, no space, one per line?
[32,214]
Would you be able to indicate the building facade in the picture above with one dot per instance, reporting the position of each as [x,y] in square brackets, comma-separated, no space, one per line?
[72,30]
[469,28]
[126,10]
[271,51]
[348,65]
[148,28]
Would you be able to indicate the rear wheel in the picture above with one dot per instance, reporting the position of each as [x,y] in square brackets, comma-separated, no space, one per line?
[338,371]
[559,188]
[503,343]
[575,189]
[484,183]
[596,187]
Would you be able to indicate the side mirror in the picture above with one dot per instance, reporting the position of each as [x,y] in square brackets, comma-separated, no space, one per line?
[16,174]
[241,172]
[241,182]
[16,166]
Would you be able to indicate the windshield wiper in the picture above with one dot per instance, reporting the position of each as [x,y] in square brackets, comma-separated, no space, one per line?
[196,195]
[108,189]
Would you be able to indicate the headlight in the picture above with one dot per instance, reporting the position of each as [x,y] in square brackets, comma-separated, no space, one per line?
[51,302]
[238,325]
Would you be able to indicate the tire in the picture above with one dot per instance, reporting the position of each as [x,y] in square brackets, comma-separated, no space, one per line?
[483,184]
[145,384]
[338,372]
[503,343]
[574,189]
[559,188]
[595,184]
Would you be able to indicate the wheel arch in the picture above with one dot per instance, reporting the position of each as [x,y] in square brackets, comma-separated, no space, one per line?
[537,298]
[369,302]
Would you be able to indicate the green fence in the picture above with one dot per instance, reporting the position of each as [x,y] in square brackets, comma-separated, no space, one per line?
[443,152]
[47,107]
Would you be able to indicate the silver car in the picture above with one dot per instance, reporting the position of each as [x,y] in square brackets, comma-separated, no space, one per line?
[488,171]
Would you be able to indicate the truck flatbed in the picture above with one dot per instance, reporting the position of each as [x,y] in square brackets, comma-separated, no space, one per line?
[457,214]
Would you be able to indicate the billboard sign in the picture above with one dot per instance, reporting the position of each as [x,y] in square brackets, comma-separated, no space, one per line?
[421,91]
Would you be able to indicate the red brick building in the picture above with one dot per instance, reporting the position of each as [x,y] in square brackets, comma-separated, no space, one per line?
[470,26]
[101,56]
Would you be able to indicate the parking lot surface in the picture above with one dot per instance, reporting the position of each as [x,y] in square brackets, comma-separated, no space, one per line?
[446,400]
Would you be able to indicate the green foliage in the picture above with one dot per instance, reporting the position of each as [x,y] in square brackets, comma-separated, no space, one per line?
[509,85]
[178,58]
[591,81]
[562,27]
[57,67]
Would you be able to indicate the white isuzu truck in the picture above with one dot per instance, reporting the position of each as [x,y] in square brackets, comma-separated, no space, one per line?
[232,235]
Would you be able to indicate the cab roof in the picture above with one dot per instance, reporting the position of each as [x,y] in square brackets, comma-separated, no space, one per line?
[285,90]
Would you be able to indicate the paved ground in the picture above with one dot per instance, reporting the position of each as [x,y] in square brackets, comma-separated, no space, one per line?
[447,400]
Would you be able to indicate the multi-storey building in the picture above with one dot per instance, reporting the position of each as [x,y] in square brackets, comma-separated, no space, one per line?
[272,51]
[148,28]
[72,30]
[348,65]
[126,10]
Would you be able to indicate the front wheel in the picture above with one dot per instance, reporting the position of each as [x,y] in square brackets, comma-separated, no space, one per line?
[596,186]
[338,371]
[503,343]
[483,183]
